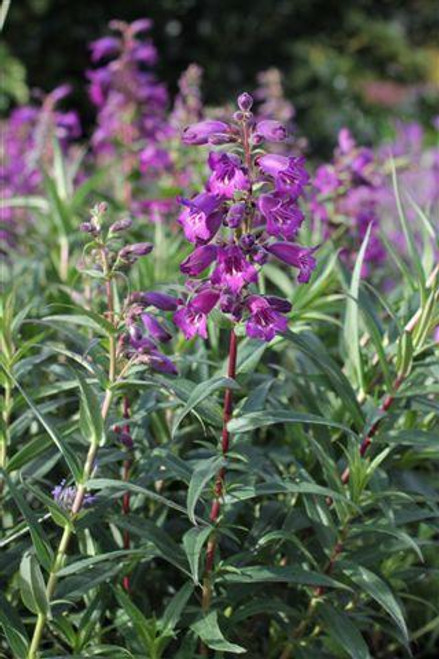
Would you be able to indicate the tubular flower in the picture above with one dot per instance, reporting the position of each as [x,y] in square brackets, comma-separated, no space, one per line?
[264,321]
[284,218]
[205,132]
[233,271]
[289,173]
[228,175]
[297,256]
[201,217]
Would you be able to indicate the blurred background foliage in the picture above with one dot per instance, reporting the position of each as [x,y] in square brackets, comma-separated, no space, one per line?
[344,63]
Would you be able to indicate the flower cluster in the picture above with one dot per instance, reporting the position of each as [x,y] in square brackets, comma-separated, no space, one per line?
[346,195]
[188,104]
[26,147]
[145,332]
[247,213]
[131,102]
[140,332]
[64,495]
[417,166]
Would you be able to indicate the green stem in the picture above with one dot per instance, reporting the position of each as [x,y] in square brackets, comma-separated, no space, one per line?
[64,258]
[4,439]
[81,487]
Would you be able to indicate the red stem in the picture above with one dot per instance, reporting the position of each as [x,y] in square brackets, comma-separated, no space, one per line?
[219,481]
[225,443]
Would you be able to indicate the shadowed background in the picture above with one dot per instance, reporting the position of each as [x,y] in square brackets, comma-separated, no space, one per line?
[344,63]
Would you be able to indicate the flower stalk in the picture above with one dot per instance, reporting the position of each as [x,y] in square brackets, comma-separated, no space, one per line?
[81,489]
[220,478]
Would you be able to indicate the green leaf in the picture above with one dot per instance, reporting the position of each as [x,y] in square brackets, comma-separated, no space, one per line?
[339,626]
[32,449]
[92,425]
[193,542]
[162,541]
[408,233]
[379,591]
[351,324]
[85,563]
[310,347]
[118,486]
[208,411]
[200,393]
[260,419]
[208,630]
[249,355]
[175,608]
[375,528]
[295,575]
[32,586]
[87,320]
[140,623]
[205,472]
[39,538]
[14,630]
[245,492]
[62,446]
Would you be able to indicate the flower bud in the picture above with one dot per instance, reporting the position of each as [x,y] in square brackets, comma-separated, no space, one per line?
[199,260]
[121,225]
[204,131]
[247,241]
[160,301]
[87,227]
[271,130]
[245,102]
[132,252]
[155,329]
[260,256]
[235,215]
[279,303]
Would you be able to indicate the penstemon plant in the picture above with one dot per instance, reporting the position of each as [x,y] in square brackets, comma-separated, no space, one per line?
[213,442]
[248,212]
[133,336]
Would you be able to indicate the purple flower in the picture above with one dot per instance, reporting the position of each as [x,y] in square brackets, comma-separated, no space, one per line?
[146,53]
[271,130]
[235,215]
[121,225]
[192,319]
[201,218]
[283,216]
[265,320]
[288,172]
[228,175]
[204,131]
[160,301]
[140,25]
[131,253]
[65,496]
[233,270]
[160,362]
[155,329]
[199,260]
[153,157]
[245,102]
[297,256]
[105,47]
[279,303]
[100,81]
[326,180]
[346,142]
